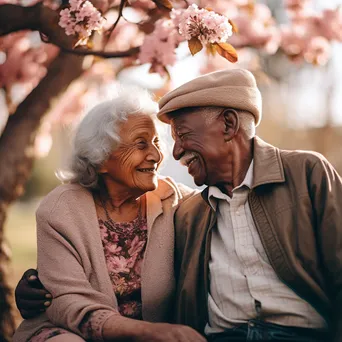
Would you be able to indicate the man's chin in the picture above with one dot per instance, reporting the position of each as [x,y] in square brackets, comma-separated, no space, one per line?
[199,180]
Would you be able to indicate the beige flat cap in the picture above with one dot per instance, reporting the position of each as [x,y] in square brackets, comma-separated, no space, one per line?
[235,88]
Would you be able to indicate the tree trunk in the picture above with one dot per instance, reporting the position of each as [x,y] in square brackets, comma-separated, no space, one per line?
[16,153]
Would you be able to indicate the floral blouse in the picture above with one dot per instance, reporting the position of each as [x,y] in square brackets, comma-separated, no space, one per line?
[124,251]
[124,248]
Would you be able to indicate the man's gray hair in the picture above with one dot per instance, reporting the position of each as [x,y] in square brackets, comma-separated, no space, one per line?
[97,135]
[247,119]
[247,124]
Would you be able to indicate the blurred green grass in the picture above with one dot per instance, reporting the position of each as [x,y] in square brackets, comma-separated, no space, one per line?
[20,234]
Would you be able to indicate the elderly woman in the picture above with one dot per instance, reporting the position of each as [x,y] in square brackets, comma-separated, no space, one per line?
[105,239]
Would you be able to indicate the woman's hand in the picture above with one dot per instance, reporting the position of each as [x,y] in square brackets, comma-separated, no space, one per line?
[30,295]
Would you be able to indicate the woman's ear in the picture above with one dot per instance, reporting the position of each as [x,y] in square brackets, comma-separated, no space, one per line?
[231,123]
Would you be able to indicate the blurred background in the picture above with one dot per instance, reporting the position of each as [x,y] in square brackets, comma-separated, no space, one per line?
[302,99]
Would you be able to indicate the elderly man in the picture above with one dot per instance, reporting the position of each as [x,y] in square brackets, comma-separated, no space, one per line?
[259,251]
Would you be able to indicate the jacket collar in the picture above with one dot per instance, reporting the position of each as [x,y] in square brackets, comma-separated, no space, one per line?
[268,167]
[154,200]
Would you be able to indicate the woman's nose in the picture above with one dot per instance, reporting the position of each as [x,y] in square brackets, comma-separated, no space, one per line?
[155,154]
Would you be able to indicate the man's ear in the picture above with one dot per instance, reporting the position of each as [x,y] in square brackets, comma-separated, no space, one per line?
[231,123]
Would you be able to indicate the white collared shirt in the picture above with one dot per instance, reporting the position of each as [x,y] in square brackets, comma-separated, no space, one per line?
[242,280]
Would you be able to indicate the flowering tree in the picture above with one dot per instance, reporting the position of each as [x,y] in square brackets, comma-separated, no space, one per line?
[54,54]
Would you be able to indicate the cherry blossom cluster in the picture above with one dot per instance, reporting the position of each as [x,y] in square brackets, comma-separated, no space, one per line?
[81,19]
[159,47]
[207,26]
[257,28]
[310,34]
[307,36]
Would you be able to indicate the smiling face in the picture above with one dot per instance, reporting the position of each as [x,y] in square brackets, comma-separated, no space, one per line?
[134,163]
[199,135]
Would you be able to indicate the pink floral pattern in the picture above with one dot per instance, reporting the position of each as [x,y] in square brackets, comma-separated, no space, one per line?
[124,248]
[124,251]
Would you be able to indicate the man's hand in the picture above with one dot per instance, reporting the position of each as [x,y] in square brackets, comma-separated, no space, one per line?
[31,296]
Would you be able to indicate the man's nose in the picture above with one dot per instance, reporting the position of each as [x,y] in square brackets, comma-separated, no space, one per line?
[177,150]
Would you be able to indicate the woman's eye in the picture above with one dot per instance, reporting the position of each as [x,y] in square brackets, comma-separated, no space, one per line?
[141,144]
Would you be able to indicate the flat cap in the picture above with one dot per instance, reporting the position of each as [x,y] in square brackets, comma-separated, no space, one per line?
[235,88]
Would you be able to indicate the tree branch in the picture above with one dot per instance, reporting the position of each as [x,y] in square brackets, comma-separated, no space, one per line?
[104,54]
[112,28]
[45,20]
[17,140]
[16,18]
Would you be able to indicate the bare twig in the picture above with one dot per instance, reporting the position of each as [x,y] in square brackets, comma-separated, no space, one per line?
[112,28]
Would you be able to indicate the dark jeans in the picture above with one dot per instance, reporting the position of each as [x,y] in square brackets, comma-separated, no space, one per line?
[260,331]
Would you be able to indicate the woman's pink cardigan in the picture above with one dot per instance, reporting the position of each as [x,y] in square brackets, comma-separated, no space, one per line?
[71,262]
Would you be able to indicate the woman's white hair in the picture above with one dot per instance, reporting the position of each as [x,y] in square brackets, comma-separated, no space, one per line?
[97,135]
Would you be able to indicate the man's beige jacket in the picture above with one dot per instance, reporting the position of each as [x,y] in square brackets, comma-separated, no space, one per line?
[296,204]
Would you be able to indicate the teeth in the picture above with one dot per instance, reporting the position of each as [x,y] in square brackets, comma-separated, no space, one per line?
[191,161]
[146,170]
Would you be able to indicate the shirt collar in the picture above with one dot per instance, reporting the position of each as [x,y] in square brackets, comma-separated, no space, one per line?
[215,193]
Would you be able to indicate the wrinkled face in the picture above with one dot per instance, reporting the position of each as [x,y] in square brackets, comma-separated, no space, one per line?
[134,163]
[199,144]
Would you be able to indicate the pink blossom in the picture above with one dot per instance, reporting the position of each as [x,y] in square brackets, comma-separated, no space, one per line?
[331,24]
[317,51]
[293,40]
[256,29]
[159,47]
[81,19]
[297,7]
[24,63]
[207,26]
[229,8]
